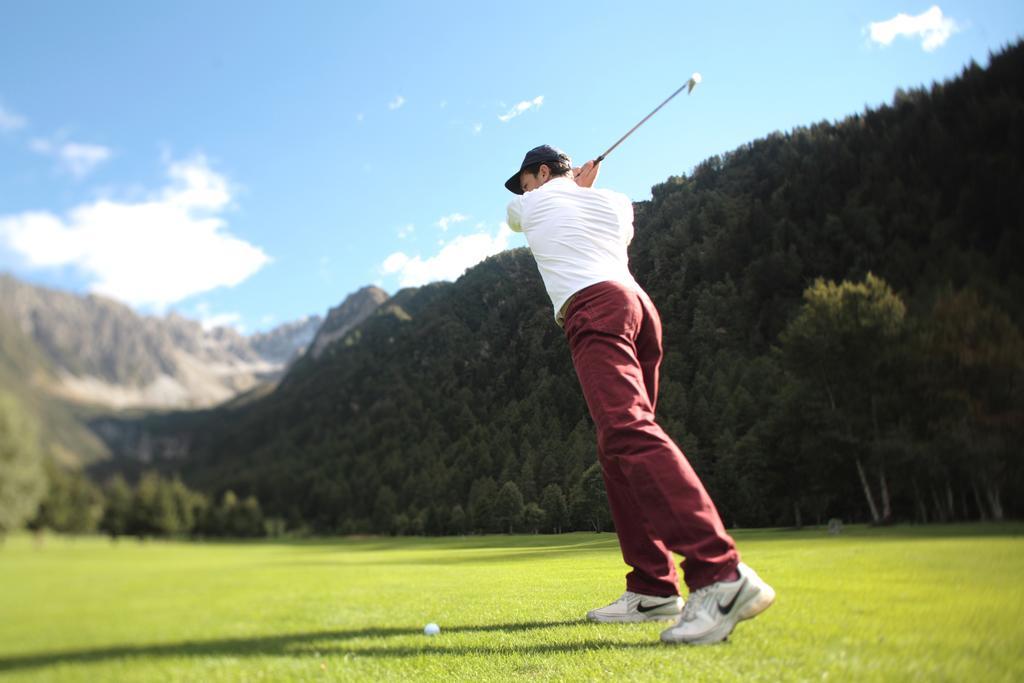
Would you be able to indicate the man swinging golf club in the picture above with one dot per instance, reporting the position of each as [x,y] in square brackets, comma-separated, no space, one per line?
[578,236]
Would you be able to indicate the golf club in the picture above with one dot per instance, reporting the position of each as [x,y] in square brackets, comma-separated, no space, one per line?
[688,86]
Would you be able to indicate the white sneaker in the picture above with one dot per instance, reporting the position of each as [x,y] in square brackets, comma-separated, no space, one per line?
[632,607]
[712,612]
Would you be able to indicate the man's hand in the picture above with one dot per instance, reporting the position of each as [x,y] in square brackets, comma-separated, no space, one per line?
[586,174]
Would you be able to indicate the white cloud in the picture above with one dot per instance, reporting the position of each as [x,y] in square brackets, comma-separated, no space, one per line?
[396,103]
[406,231]
[151,252]
[9,120]
[226,320]
[81,159]
[394,263]
[445,221]
[521,108]
[931,26]
[450,262]
[77,158]
[477,127]
[210,320]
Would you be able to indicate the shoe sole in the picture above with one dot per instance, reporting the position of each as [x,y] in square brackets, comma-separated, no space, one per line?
[762,601]
[633,619]
[751,607]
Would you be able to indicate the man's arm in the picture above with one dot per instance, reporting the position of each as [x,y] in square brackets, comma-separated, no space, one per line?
[586,174]
[515,214]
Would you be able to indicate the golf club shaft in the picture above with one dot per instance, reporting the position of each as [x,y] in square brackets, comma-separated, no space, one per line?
[642,121]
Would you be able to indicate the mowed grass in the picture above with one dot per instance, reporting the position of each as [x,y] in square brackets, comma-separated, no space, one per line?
[904,603]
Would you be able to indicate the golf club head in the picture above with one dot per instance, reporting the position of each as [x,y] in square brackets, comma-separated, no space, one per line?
[692,83]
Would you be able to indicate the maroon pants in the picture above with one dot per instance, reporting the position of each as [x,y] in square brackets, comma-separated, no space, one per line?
[657,502]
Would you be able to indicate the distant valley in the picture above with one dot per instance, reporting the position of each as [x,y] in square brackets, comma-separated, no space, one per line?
[72,359]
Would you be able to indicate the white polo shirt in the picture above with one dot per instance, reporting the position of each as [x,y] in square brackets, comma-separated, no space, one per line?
[578,236]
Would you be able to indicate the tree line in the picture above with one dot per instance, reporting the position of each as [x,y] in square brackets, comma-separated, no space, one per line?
[38,494]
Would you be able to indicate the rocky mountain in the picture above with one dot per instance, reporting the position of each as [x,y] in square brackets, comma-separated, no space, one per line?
[286,342]
[104,353]
[345,317]
[24,372]
[97,351]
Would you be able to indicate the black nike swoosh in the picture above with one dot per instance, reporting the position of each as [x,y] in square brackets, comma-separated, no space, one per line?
[640,607]
[725,609]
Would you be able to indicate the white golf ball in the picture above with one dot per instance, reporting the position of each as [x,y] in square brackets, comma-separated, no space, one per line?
[695,77]
[431,629]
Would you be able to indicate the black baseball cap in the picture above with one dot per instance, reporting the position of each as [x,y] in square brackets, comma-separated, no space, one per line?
[537,155]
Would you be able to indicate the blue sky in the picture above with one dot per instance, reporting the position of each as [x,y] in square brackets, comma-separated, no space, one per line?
[252,163]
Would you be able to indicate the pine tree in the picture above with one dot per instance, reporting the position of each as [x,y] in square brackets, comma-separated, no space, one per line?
[589,503]
[533,517]
[117,514]
[384,510]
[556,511]
[508,508]
[482,496]
[457,521]
[72,504]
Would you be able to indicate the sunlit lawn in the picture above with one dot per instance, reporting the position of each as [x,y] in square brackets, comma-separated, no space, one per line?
[937,603]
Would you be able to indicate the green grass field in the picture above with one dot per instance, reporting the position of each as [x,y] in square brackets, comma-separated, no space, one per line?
[904,603]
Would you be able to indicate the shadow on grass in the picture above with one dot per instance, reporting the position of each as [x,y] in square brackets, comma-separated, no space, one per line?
[439,555]
[324,643]
[370,544]
[894,532]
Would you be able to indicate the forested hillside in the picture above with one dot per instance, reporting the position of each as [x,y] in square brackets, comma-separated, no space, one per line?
[842,308]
